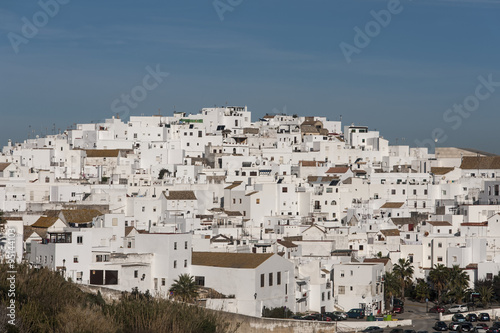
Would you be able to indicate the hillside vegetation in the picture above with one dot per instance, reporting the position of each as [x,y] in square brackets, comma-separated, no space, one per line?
[45,302]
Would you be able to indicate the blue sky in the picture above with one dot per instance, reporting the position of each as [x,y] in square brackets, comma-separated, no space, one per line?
[272,56]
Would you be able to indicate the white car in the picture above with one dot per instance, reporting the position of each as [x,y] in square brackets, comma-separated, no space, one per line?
[457,308]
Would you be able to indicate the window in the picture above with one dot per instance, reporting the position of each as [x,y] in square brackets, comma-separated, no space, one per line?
[361,247]
[98,258]
[440,244]
[185,263]
[341,273]
[489,276]
[136,274]
[262,279]
[323,296]
[393,192]
[257,201]
[329,295]
[341,290]
[407,236]
[352,273]
[163,282]
[270,279]
[351,288]
[75,259]
[175,245]
[284,189]
[199,280]
[440,259]
[425,191]
[278,278]
[73,194]
[185,245]
[414,192]
[79,239]
[175,263]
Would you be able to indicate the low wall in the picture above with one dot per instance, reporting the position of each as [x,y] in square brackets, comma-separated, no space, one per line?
[265,325]
[494,313]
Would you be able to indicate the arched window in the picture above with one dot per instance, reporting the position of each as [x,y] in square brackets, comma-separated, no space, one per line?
[333,203]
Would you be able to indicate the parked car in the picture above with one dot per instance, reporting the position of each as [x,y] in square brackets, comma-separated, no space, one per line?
[458,317]
[309,317]
[496,324]
[471,317]
[482,325]
[397,301]
[457,308]
[340,314]
[453,326]
[422,332]
[483,316]
[333,316]
[493,329]
[479,329]
[373,329]
[321,317]
[440,326]
[398,309]
[437,309]
[396,330]
[356,313]
[409,331]
[465,327]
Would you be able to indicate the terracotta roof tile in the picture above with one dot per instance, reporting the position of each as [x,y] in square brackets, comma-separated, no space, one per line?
[44,222]
[180,195]
[481,162]
[80,215]
[393,205]
[229,260]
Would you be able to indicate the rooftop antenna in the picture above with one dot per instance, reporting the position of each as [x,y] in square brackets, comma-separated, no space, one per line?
[159,112]
[341,118]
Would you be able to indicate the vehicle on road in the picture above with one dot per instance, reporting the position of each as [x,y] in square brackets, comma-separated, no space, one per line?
[396,330]
[465,327]
[356,313]
[373,329]
[437,309]
[457,308]
[471,317]
[483,316]
[398,309]
[340,314]
[440,326]
[458,317]
[333,316]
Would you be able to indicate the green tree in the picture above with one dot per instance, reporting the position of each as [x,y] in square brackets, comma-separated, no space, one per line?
[391,287]
[438,276]
[421,290]
[184,288]
[404,271]
[486,294]
[458,283]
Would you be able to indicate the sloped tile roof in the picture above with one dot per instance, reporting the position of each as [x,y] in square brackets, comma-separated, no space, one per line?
[439,171]
[393,205]
[102,152]
[337,170]
[390,232]
[233,185]
[80,215]
[180,195]
[45,222]
[230,260]
[481,162]
[439,223]
[4,166]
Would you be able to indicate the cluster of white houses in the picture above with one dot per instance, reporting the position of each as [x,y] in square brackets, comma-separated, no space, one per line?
[285,211]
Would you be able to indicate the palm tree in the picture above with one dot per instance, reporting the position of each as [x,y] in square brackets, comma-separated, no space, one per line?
[421,290]
[486,294]
[458,283]
[439,278]
[391,287]
[404,271]
[184,288]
